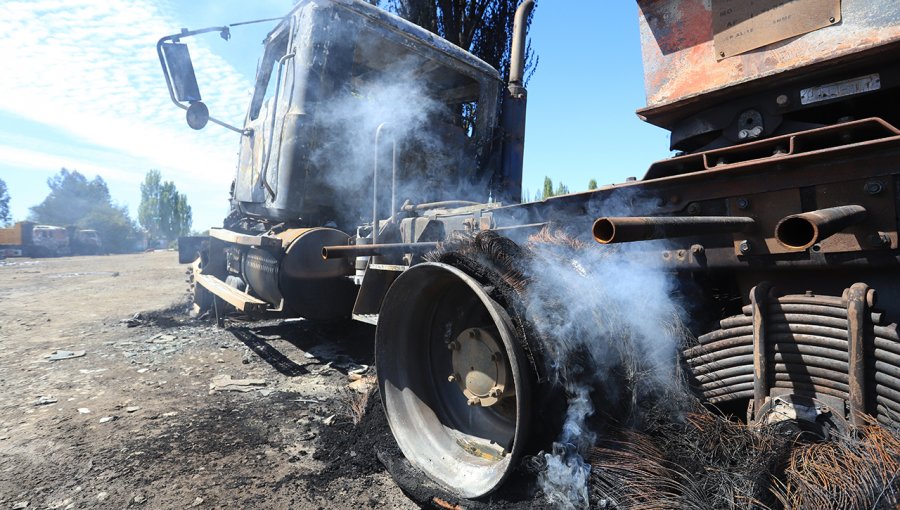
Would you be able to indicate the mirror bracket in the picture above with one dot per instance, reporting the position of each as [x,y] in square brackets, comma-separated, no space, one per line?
[189,91]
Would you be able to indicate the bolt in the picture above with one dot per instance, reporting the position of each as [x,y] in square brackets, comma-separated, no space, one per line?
[743,203]
[666,255]
[745,246]
[681,254]
[693,209]
[473,333]
[782,100]
[474,401]
[697,249]
[453,345]
[743,134]
[809,293]
[496,356]
[874,187]
[453,378]
[831,19]
[495,392]
[722,54]
[816,247]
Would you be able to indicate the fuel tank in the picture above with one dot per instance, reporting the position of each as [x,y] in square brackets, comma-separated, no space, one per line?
[299,278]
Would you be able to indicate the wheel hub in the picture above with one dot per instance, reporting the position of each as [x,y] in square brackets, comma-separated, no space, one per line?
[478,356]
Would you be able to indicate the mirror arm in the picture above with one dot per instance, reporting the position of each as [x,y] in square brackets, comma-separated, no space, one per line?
[225,32]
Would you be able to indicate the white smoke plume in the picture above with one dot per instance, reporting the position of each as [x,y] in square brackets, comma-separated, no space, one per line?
[612,331]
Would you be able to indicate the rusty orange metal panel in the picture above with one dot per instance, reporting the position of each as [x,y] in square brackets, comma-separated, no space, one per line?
[681,62]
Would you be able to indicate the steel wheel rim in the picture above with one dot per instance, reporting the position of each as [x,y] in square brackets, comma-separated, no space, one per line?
[468,449]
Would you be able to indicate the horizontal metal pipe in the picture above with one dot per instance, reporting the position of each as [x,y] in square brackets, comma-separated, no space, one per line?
[779,368]
[891,408]
[800,231]
[801,359]
[722,334]
[725,343]
[718,392]
[643,228]
[811,388]
[446,204]
[811,380]
[737,395]
[887,345]
[887,417]
[777,346]
[365,250]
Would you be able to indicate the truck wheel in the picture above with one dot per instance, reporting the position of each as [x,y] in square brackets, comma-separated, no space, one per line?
[454,379]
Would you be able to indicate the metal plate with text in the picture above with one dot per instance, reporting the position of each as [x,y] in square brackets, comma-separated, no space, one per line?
[743,25]
[840,89]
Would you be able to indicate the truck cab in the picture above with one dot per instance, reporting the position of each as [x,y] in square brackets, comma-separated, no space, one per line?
[331,74]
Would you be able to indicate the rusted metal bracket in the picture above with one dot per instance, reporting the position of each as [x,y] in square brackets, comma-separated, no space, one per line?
[759,298]
[859,298]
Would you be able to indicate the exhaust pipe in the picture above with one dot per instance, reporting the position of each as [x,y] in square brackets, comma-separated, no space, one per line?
[645,228]
[512,118]
[800,231]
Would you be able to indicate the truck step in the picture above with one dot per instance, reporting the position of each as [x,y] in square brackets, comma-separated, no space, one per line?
[240,300]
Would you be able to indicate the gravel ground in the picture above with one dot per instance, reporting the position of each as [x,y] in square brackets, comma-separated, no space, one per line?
[162,411]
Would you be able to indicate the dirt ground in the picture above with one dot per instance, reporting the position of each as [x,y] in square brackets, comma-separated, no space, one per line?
[147,418]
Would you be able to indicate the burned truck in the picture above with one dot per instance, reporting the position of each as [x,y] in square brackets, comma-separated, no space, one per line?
[778,214]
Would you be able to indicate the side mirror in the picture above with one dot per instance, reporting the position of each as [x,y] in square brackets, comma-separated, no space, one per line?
[197,115]
[181,81]
[181,69]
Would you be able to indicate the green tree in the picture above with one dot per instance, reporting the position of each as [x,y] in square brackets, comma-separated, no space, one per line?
[548,188]
[72,196]
[561,189]
[163,211]
[4,204]
[592,184]
[76,201]
[482,27]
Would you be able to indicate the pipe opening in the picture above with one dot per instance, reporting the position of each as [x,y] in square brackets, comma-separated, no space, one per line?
[604,230]
[796,232]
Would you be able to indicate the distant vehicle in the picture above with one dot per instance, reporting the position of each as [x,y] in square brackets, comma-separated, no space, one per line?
[25,239]
[85,242]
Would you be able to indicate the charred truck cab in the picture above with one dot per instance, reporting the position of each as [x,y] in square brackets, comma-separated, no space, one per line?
[319,140]
[780,212]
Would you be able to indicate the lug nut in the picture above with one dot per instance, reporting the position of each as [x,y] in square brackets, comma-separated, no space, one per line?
[697,249]
[474,401]
[453,345]
[745,246]
[453,378]
[495,392]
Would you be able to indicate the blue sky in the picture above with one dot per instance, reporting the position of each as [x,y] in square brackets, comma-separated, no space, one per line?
[82,89]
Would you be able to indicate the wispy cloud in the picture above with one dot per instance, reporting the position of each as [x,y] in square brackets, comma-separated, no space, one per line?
[90,69]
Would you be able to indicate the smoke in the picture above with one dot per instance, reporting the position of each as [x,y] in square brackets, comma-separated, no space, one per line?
[612,331]
[433,155]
